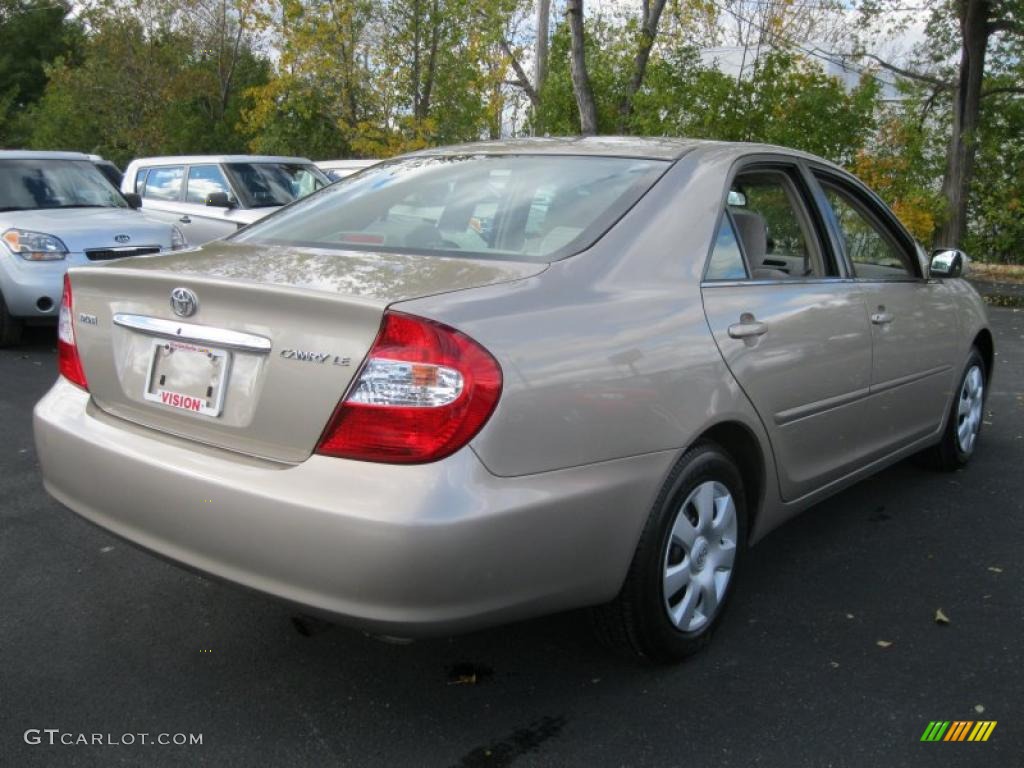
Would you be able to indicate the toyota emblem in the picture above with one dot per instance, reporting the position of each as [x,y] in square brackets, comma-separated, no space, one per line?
[184,302]
[122,238]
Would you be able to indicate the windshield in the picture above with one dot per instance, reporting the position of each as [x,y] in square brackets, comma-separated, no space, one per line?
[43,184]
[521,207]
[262,185]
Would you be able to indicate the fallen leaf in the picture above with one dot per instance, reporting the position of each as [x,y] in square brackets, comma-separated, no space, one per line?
[940,617]
[834,664]
[468,674]
[995,569]
[849,615]
[883,643]
[979,708]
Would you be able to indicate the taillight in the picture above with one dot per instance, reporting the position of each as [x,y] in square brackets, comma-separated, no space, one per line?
[68,362]
[424,391]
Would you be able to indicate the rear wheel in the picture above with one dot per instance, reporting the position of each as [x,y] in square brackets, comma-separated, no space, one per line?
[963,424]
[682,572]
[10,327]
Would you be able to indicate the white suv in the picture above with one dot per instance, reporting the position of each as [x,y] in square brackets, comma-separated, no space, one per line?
[58,211]
[211,196]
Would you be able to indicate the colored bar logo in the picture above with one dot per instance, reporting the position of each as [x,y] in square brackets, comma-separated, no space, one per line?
[958,730]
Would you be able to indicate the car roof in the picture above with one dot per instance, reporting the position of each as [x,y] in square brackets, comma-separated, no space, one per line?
[196,159]
[350,163]
[33,154]
[639,147]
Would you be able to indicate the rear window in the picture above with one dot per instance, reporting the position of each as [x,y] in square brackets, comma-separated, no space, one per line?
[164,183]
[521,207]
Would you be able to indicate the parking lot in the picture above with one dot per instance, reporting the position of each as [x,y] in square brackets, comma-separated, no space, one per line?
[830,655]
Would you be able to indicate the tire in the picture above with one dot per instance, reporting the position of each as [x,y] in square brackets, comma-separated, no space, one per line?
[10,327]
[965,418]
[638,621]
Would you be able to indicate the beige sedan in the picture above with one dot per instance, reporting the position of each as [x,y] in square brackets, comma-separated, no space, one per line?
[483,383]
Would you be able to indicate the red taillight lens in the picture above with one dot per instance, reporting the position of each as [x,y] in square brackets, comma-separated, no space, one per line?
[68,362]
[424,391]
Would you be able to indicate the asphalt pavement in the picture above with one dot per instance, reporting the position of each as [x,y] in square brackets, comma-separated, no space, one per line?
[830,654]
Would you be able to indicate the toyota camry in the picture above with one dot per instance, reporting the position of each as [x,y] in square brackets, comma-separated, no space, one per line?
[482,383]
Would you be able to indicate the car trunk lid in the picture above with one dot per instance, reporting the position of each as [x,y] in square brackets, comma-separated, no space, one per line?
[276,336]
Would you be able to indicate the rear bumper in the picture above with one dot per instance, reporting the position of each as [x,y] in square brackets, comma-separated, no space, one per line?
[405,550]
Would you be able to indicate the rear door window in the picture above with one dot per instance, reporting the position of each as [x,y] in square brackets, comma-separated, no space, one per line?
[164,183]
[773,226]
[726,259]
[140,180]
[203,181]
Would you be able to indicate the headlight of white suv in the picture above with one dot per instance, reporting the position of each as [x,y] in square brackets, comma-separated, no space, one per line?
[178,240]
[34,246]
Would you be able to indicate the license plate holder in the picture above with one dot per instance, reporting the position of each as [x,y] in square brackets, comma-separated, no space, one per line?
[187,377]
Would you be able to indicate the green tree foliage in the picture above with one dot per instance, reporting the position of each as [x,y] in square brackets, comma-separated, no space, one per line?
[787,100]
[143,91]
[937,130]
[33,34]
[374,79]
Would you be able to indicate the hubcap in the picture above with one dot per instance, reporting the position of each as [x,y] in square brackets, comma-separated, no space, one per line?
[699,556]
[968,413]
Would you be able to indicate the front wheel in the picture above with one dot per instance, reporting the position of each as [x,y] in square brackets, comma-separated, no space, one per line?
[685,563]
[963,423]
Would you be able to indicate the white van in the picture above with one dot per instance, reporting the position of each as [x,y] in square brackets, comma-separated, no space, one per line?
[211,196]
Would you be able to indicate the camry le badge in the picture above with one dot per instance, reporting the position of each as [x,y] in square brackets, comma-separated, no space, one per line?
[184,302]
[315,357]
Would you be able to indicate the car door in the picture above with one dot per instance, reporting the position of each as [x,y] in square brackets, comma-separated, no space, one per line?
[161,191]
[201,222]
[913,318]
[793,332]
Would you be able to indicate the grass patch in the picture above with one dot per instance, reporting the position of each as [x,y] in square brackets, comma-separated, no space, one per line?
[996,273]
[1002,300]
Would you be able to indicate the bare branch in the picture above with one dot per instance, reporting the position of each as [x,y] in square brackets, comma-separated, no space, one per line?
[1002,89]
[910,74]
[524,81]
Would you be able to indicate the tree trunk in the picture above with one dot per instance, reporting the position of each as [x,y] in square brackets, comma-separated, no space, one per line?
[648,31]
[974,32]
[578,67]
[541,49]
[428,87]
[416,21]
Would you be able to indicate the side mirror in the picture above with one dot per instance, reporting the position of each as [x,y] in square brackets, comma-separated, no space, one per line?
[219,200]
[948,262]
[133,200]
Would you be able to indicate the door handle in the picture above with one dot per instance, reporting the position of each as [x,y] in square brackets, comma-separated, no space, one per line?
[747,327]
[881,318]
[185,219]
